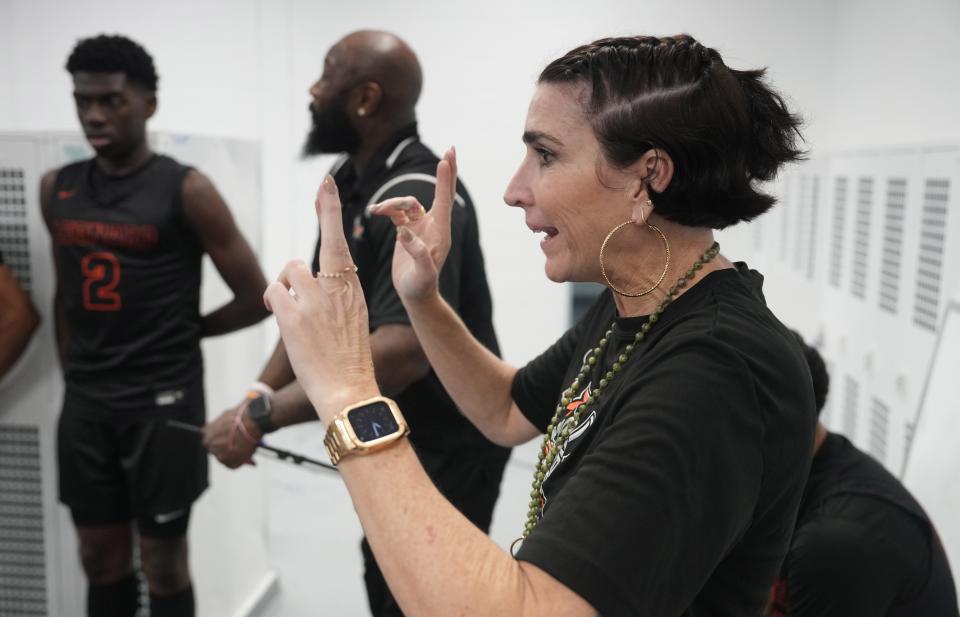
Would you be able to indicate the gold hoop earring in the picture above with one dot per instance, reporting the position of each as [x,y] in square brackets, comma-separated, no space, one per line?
[666,266]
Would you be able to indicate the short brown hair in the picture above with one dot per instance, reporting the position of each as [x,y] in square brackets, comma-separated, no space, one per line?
[724,129]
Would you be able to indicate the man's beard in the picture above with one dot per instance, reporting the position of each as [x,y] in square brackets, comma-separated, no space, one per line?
[331,132]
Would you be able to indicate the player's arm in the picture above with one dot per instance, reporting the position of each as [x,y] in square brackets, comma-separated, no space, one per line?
[398,362]
[277,372]
[18,320]
[210,218]
[60,326]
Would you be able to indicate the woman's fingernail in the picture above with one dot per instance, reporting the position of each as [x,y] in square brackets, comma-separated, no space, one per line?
[405,234]
[329,185]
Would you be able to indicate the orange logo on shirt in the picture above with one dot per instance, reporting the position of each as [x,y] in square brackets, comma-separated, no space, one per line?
[581,400]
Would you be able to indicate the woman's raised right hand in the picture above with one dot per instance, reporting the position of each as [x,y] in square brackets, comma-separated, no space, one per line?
[423,238]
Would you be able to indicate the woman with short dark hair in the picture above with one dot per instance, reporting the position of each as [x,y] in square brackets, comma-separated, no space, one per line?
[676,417]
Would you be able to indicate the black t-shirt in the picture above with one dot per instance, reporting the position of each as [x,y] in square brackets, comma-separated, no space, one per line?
[863,546]
[404,166]
[676,495]
[129,281]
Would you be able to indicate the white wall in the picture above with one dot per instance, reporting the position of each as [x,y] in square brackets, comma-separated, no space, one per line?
[893,73]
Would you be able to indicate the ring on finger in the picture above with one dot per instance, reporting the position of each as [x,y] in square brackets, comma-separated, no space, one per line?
[417,213]
[339,274]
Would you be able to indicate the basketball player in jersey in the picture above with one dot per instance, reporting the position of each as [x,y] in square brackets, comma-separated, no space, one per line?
[129,229]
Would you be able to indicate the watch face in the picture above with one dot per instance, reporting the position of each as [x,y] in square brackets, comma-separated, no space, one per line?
[372,421]
[259,406]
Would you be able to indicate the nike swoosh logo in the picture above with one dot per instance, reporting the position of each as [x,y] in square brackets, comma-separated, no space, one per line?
[66,194]
[169,516]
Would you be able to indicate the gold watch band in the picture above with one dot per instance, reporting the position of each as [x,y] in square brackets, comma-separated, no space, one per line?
[341,440]
[335,440]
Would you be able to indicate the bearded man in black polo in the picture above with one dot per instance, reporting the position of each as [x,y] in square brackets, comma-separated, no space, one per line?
[363,106]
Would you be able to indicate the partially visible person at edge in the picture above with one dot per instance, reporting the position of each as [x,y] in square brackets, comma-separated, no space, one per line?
[364,106]
[676,417]
[129,230]
[18,319]
[863,546]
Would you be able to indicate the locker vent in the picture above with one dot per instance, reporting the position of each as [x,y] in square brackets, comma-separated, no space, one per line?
[22,559]
[861,238]
[836,236]
[892,244]
[932,242]
[802,230]
[13,224]
[814,221]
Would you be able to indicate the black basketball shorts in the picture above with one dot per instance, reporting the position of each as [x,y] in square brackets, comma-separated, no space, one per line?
[114,472]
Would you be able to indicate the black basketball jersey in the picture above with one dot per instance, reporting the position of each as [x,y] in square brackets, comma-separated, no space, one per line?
[129,270]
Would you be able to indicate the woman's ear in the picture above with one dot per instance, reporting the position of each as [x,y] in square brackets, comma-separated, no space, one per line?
[651,173]
[654,170]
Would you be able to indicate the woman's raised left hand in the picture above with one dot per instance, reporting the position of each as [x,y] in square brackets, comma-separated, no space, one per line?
[323,318]
[423,238]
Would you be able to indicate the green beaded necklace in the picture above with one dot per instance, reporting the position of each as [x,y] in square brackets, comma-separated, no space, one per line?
[549,450]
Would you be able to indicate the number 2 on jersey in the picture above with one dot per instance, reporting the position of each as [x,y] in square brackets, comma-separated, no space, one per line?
[101,275]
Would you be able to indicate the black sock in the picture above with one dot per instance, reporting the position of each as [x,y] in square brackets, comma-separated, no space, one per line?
[179,604]
[119,599]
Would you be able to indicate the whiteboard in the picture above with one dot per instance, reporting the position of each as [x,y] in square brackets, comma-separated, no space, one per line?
[933,463]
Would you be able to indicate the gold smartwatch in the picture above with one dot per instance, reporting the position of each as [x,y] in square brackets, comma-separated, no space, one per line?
[364,427]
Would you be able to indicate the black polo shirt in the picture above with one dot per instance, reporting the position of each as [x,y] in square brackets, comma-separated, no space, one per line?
[404,166]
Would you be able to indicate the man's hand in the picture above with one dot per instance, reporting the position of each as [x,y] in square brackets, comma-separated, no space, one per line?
[227,442]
